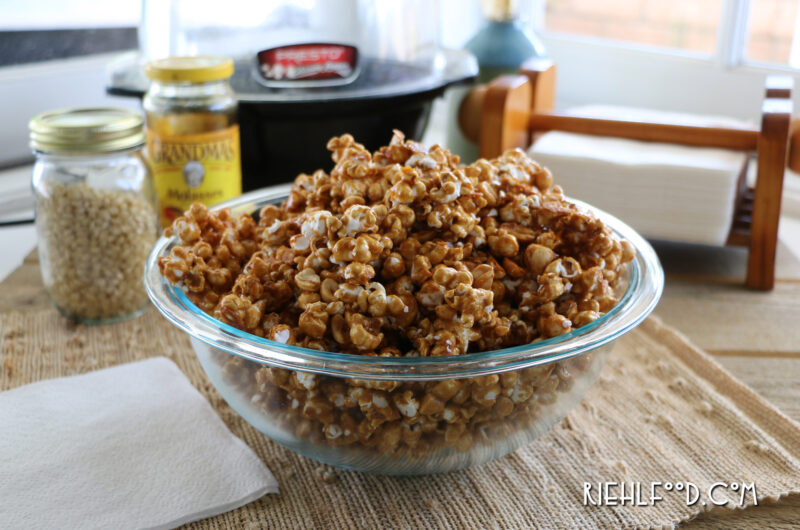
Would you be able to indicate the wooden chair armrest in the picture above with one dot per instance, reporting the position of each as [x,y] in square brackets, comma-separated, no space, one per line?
[794,145]
[728,138]
[542,75]
[470,111]
[772,152]
[505,115]
[778,86]
[781,86]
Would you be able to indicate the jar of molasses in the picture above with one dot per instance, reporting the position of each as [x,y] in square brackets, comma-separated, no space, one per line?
[192,133]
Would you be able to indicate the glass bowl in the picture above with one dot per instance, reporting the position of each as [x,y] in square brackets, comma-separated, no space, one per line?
[401,415]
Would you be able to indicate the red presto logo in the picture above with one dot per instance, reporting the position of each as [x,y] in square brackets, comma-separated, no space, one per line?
[299,62]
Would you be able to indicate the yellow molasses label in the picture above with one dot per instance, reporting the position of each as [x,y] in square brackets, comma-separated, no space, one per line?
[203,167]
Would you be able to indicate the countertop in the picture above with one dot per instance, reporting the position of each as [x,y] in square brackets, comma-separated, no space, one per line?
[753,334]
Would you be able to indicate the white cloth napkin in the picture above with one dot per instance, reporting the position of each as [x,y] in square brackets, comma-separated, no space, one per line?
[665,191]
[134,446]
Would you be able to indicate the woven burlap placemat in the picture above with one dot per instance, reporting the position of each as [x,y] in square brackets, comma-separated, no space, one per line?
[661,411]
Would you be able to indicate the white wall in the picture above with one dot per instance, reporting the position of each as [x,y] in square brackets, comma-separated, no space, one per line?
[589,72]
[28,90]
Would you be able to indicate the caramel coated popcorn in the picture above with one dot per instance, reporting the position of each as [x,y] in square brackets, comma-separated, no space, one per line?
[403,253]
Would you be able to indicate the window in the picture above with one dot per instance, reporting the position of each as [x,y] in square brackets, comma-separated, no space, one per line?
[737,32]
[698,56]
[683,24]
[773,25]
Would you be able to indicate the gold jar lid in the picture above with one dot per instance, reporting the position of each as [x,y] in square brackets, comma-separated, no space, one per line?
[200,69]
[500,10]
[101,129]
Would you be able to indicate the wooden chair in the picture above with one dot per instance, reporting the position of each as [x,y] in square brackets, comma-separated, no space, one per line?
[512,109]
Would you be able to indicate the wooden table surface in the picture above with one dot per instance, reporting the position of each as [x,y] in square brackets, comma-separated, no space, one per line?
[755,335]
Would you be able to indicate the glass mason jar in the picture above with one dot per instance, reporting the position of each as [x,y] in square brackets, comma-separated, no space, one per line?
[192,133]
[95,216]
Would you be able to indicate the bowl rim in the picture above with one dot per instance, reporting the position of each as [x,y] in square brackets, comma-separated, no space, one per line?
[645,285]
